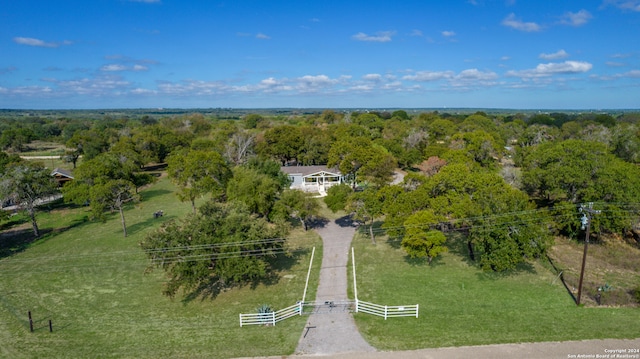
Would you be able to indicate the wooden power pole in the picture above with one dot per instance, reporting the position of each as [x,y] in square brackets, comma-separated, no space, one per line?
[586,221]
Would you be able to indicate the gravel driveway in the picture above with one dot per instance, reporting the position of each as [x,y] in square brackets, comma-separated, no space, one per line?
[331,329]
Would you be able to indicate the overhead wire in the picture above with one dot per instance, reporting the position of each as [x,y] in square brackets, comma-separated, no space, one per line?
[477,222]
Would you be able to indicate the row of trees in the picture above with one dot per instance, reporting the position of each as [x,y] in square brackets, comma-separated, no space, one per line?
[491,178]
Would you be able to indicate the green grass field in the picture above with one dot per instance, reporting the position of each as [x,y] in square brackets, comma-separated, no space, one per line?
[91,282]
[462,305]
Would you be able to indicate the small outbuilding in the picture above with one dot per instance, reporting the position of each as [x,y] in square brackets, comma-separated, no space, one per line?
[61,176]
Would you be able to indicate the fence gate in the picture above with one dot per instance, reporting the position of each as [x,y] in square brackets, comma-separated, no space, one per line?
[329,306]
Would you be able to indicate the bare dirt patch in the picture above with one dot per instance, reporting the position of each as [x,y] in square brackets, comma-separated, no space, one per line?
[612,270]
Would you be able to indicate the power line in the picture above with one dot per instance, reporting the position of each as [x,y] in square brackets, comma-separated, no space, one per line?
[526,217]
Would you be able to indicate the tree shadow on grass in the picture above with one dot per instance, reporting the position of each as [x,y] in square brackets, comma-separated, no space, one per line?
[18,240]
[152,193]
[346,221]
[394,242]
[212,288]
[150,222]
[364,230]
[317,222]
[458,245]
[489,275]
[423,262]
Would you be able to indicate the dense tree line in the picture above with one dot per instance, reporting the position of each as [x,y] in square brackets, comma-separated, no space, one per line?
[486,176]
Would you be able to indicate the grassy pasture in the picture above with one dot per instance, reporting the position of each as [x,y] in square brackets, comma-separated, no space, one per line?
[91,282]
[462,305]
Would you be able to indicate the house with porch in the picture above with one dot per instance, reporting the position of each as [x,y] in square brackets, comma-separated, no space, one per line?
[313,178]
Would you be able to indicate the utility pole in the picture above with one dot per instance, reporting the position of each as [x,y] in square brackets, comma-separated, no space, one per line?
[586,221]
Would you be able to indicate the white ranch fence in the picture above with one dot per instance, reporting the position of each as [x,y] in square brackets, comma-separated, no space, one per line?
[387,311]
[271,318]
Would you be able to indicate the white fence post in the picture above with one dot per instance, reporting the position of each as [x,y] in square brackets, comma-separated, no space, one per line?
[417,309]
[306,283]
[385,312]
[241,320]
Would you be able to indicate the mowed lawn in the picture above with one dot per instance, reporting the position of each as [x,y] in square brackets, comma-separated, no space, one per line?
[92,283]
[462,305]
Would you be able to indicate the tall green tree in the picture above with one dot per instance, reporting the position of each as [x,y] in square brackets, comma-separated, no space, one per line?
[366,206]
[337,197]
[257,190]
[106,182]
[197,173]
[112,195]
[27,184]
[362,160]
[222,246]
[283,143]
[421,239]
[296,204]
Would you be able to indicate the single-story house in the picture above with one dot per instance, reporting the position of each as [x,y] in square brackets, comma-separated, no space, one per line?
[61,176]
[313,178]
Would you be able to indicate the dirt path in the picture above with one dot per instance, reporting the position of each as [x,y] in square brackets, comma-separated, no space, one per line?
[331,329]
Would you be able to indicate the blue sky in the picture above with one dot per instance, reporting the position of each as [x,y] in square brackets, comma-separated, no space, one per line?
[545,54]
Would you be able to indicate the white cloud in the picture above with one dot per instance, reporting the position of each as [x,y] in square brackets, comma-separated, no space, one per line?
[119,67]
[553,68]
[633,5]
[576,19]
[560,54]
[615,64]
[311,83]
[505,58]
[512,22]
[427,76]
[476,75]
[268,85]
[473,78]
[621,56]
[372,77]
[113,67]
[632,73]
[141,91]
[448,33]
[416,33]
[193,88]
[382,36]
[262,36]
[30,41]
